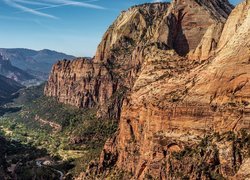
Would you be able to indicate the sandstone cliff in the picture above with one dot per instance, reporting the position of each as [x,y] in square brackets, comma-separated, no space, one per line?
[105,79]
[176,101]
[176,75]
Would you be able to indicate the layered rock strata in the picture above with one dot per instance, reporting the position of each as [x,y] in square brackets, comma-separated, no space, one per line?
[176,75]
[104,80]
[176,101]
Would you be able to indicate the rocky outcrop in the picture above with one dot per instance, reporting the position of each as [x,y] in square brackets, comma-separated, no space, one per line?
[208,45]
[65,82]
[176,101]
[104,80]
[176,75]
[244,170]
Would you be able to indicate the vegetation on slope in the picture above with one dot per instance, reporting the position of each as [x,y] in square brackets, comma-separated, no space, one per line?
[18,161]
[73,135]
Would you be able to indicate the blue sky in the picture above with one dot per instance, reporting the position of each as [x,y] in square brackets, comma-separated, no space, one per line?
[70,26]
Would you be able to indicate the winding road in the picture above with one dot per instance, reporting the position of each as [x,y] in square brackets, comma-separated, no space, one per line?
[39,164]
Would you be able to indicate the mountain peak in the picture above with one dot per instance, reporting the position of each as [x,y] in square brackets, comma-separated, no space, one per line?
[149,5]
[178,26]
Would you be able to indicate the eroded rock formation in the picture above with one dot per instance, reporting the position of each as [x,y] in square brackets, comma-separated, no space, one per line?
[104,80]
[175,102]
[173,73]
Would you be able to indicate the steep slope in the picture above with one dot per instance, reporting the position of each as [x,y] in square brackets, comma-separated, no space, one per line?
[37,63]
[7,88]
[176,101]
[12,72]
[120,55]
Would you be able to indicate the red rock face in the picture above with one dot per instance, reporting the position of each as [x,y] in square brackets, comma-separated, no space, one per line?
[119,57]
[67,81]
[103,81]
[173,73]
[175,102]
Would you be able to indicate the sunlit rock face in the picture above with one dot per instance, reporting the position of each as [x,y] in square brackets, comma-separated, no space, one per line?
[105,79]
[172,73]
[177,100]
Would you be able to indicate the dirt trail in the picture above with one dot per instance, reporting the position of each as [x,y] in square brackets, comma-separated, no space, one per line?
[55,126]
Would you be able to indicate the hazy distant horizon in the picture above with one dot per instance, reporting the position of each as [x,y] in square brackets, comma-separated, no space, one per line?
[60,25]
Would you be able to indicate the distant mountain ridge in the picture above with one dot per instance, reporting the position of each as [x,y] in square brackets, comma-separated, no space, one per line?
[35,62]
[7,88]
[12,72]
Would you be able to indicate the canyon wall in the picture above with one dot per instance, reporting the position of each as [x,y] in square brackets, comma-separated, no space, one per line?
[177,101]
[176,75]
[104,80]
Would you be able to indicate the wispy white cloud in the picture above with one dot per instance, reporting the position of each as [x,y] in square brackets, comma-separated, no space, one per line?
[158,0]
[32,2]
[60,5]
[26,9]
[85,4]
[48,4]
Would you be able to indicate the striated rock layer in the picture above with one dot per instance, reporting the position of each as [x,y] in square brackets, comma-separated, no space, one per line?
[105,79]
[177,76]
[176,101]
